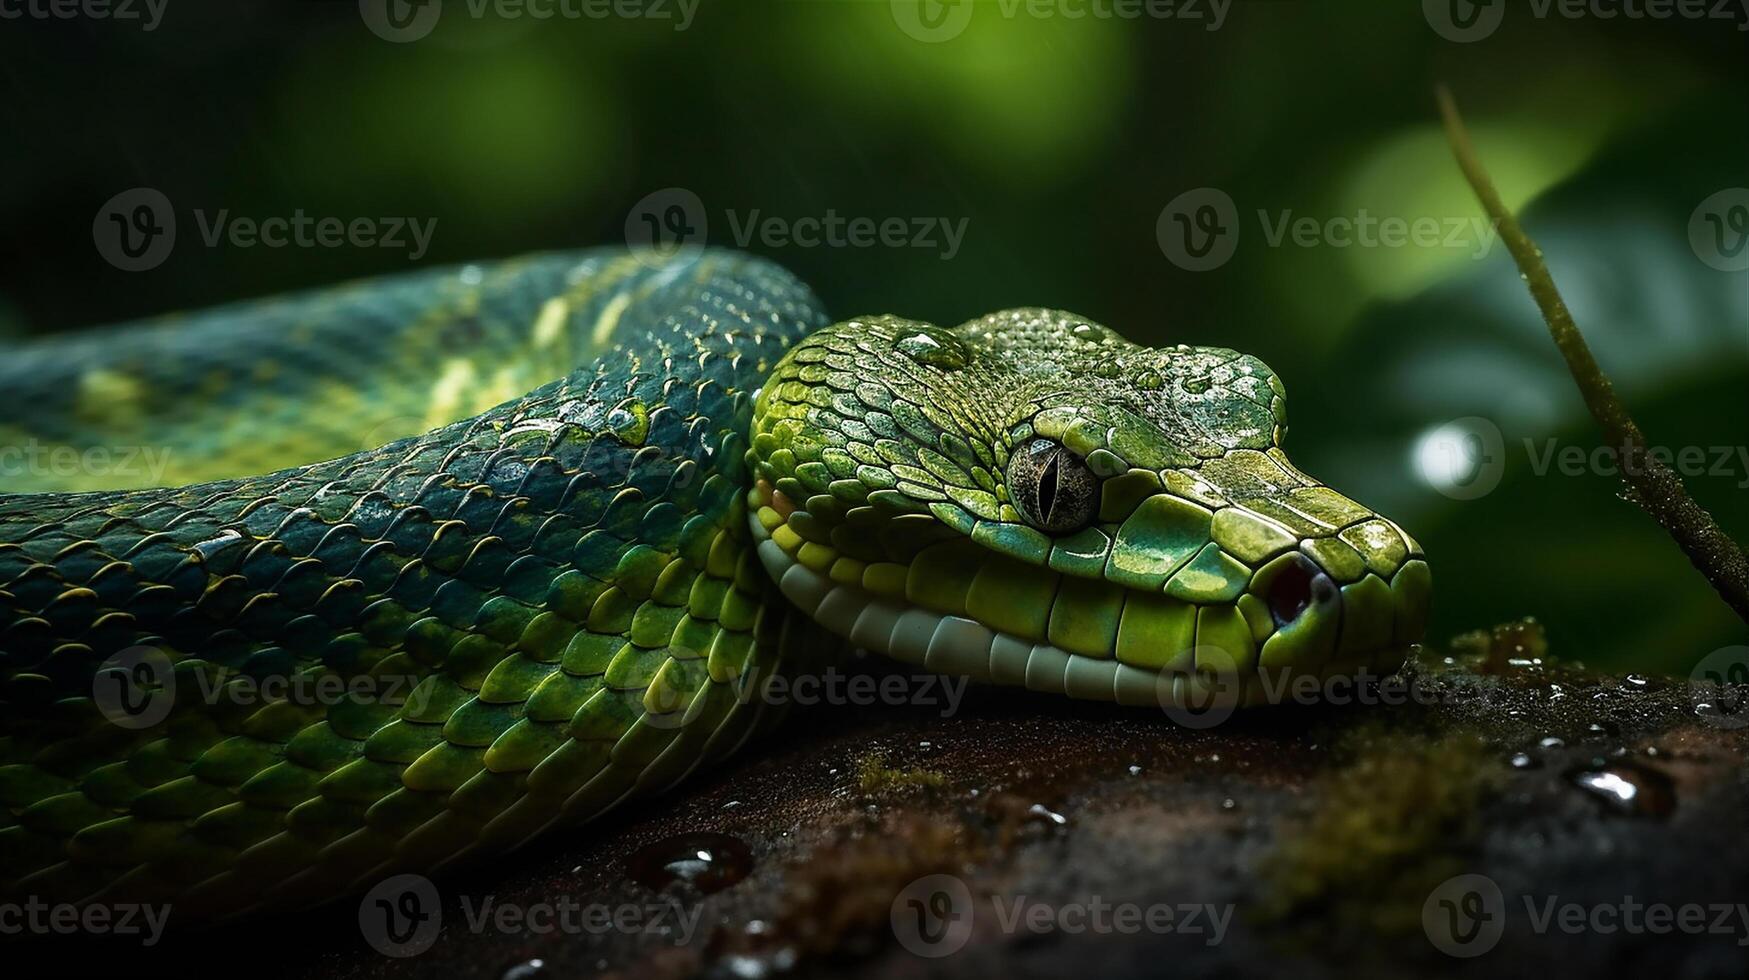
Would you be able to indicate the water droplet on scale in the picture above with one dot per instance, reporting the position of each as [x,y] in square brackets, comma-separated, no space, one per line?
[934,347]
[629,421]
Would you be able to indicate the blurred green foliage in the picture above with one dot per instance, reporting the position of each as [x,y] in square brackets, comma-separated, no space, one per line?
[1058,141]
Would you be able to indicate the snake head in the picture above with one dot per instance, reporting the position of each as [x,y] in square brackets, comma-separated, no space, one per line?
[1029,498]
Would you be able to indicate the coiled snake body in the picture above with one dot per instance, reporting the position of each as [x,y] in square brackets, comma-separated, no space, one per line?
[565,585]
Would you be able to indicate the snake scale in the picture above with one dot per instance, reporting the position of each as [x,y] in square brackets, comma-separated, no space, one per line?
[571,511]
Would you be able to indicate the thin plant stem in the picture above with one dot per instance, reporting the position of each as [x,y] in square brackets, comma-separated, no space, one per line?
[1650,483]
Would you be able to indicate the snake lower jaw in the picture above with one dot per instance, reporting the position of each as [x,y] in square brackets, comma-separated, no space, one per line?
[1277,667]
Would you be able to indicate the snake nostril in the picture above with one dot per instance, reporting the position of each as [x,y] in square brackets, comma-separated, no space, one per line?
[1290,593]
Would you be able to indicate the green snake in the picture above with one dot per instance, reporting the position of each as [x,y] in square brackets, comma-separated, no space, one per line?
[574,510]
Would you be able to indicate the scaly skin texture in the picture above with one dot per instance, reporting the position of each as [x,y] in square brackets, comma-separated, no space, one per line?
[276,690]
[1207,565]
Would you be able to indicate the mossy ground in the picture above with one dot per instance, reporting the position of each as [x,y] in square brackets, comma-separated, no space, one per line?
[1322,828]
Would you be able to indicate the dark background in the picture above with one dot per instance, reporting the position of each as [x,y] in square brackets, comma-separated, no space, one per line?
[1059,142]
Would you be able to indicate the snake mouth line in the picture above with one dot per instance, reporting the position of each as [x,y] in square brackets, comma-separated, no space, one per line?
[1196,675]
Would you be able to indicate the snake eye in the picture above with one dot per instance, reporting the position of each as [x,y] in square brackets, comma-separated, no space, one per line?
[1052,487]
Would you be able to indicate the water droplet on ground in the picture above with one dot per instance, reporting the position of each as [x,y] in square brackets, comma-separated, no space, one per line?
[1628,789]
[709,862]
[1040,811]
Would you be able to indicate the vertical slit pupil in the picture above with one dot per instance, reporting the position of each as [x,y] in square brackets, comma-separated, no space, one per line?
[1047,489]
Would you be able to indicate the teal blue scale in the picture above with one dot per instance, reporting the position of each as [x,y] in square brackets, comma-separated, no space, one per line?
[469,558]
